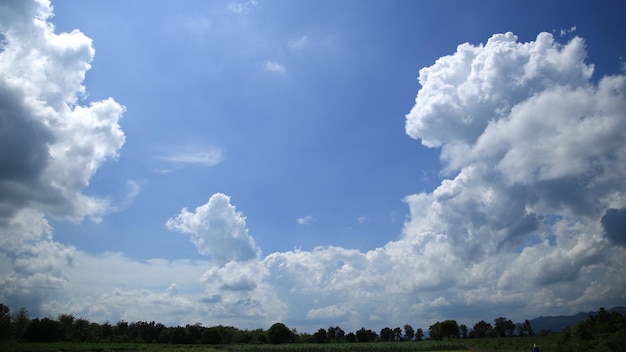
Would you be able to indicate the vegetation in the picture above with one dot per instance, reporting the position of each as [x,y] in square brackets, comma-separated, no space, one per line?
[603,331]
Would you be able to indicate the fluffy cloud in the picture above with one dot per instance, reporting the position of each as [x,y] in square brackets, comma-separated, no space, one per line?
[529,218]
[51,147]
[533,141]
[217,229]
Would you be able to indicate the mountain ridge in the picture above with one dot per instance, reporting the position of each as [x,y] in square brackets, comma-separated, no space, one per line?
[558,323]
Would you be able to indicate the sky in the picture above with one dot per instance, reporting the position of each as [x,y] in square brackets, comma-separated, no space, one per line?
[316,163]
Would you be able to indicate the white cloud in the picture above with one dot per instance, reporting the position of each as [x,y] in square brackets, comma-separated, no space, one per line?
[242,7]
[52,145]
[362,219]
[533,141]
[217,229]
[305,220]
[210,156]
[58,145]
[298,43]
[274,67]
[525,224]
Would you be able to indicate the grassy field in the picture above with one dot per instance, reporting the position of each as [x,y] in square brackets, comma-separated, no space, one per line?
[301,347]
[512,344]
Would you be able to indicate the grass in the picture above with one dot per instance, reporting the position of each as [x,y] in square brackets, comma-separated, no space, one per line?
[509,344]
[424,346]
[102,347]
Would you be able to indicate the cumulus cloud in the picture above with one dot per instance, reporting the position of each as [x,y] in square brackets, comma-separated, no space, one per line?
[532,141]
[614,224]
[51,145]
[524,222]
[217,229]
[528,219]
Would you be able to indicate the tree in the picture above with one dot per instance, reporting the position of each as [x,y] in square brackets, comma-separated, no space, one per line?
[504,327]
[446,329]
[386,334]
[525,329]
[20,324]
[65,330]
[409,333]
[336,334]
[481,330]
[419,334]
[279,333]
[463,330]
[211,336]
[5,322]
[397,333]
[42,330]
[320,336]
[363,335]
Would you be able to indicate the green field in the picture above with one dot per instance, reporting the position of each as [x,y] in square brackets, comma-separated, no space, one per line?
[518,344]
[300,347]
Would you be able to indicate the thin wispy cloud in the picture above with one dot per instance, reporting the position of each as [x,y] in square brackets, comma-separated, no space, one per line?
[242,7]
[298,43]
[275,67]
[305,220]
[210,156]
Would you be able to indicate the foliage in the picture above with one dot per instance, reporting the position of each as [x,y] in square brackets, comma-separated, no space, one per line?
[603,331]
[279,333]
[448,329]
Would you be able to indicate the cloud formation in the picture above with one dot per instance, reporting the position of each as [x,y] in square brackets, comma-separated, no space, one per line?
[275,67]
[533,141]
[217,229]
[51,147]
[196,156]
[528,219]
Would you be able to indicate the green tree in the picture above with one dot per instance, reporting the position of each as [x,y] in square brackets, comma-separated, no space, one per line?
[525,329]
[211,336]
[386,334]
[419,334]
[397,333]
[336,334]
[279,333]
[504,327]
[320,336]
[66,327]
[409,333]
[463,331]
[20,324]
[5,322]
[363,335]
[481,330]
[446,329]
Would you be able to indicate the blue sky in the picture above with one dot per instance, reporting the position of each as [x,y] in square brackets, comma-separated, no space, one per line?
[331,158]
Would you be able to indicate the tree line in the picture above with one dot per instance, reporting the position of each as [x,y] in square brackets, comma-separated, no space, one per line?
[65,327]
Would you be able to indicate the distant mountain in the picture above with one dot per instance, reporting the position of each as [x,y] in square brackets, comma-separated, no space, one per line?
[557,323]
